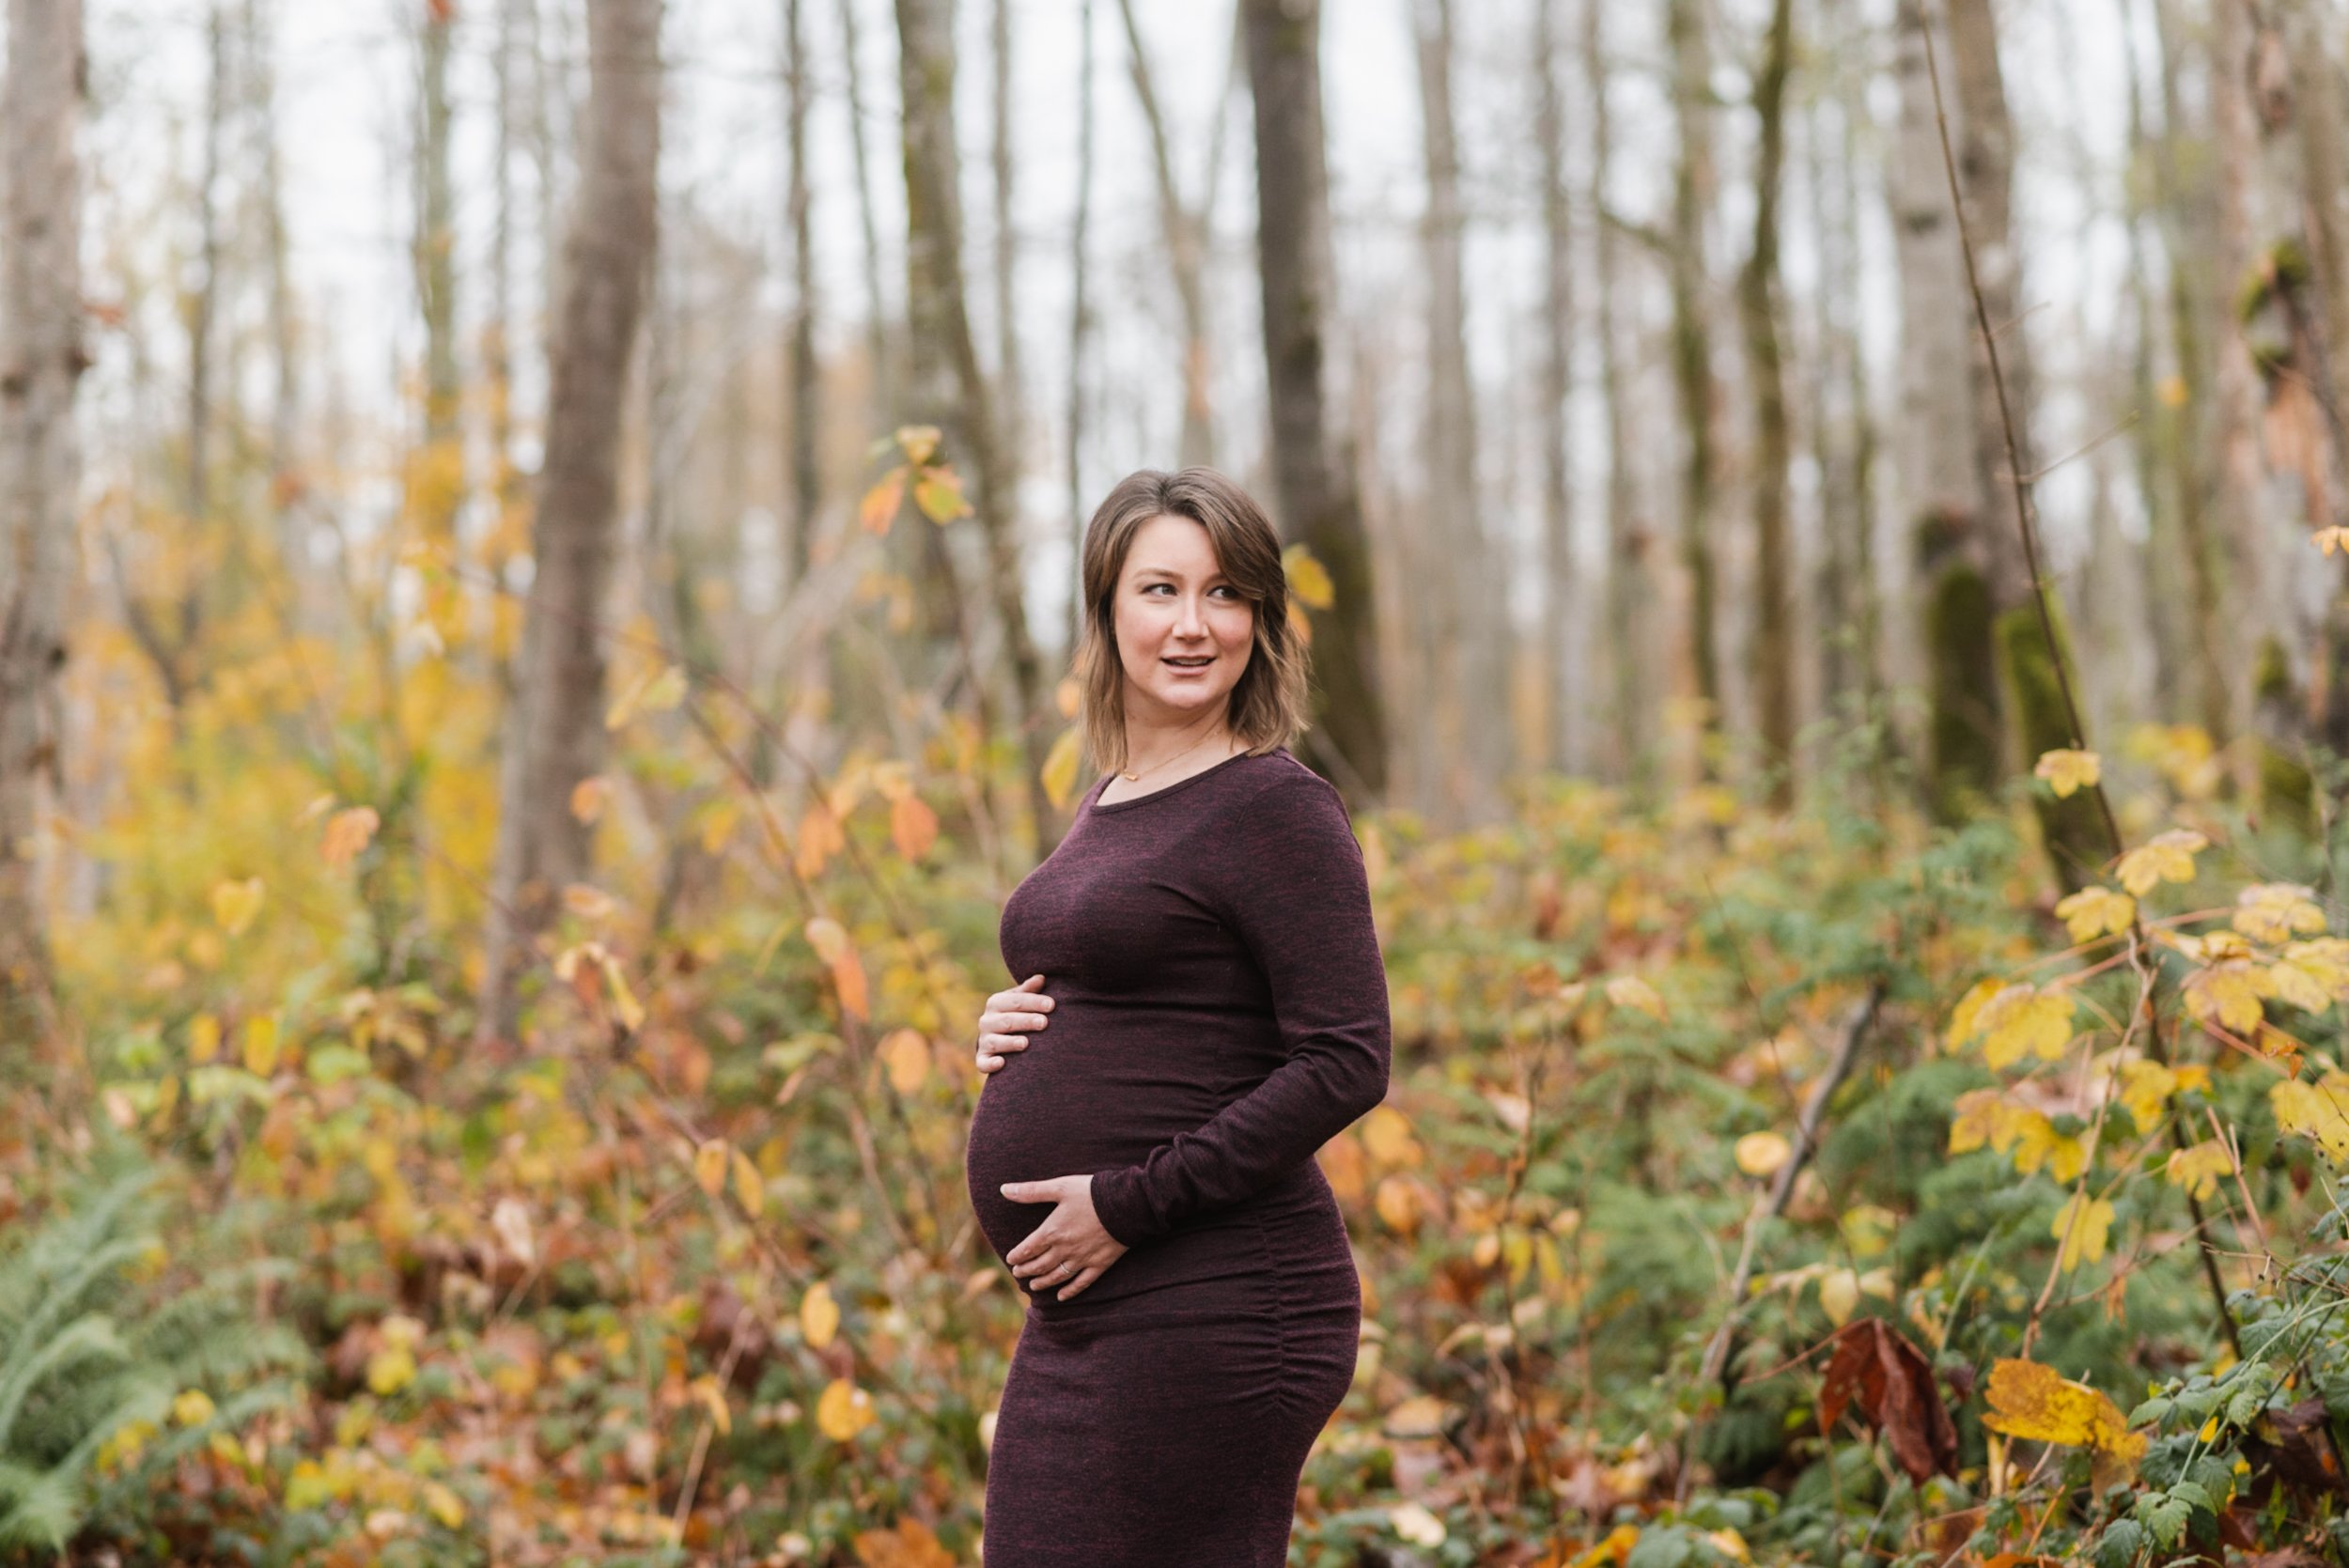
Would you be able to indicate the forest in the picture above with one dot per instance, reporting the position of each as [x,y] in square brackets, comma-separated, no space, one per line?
[538,588]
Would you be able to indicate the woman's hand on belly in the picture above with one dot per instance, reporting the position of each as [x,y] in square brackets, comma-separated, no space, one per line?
[1023,1007]
[1070,1249]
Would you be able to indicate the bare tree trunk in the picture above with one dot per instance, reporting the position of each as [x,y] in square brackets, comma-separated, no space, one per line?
[1942,492]
[497,344]
[202,308]
[1318,505]
[1471,639]
[2234,381]
[1012,429]
[1185,230]
[286,484]
[436,245]
[1079,329]
[1758,307]
[950,390]
[542,845]
[41,360]
[1629,586]
[1692,338]
[807,391]
[1561,663]
[876,307]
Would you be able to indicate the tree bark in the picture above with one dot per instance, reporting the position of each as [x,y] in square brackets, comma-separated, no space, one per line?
[1561,663]
[2234,382]
[949,388]
[1010,380]
[1758,306]
[1318,505]
[1079,329]
[1692,339]
[41,360]
[807,391]
[876,307]
[1471,642]
[542,845]
[1630,590]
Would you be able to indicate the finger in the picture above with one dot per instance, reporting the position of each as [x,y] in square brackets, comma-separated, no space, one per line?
[1080,1282]
[1044,1263]
[1034,982]
[1011,1018]
[1004,1042]
[990,1064]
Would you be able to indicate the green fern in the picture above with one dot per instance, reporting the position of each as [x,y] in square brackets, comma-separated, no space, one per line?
[86,1348]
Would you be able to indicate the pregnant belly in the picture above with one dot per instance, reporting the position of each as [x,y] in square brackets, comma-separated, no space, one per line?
[1096,1089]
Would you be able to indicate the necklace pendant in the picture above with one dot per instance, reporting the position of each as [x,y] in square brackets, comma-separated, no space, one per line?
[1130,778]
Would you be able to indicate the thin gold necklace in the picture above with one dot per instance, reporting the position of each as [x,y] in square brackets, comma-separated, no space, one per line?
[1136,778]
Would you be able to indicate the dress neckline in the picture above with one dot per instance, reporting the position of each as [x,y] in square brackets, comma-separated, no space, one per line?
[1094,803]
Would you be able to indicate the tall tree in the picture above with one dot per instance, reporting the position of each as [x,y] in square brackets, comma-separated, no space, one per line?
[1773,655]
[1693,379]
[1080,327]
[41,359]
[1629,583]
[1318,505]
[1010,379]
[949,388]
[543,843]
[1561,663]
[1470,638]
[1942,493]
[806,485]
[868,223]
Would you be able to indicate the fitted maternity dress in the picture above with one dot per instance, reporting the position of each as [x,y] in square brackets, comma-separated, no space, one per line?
[1221,1012]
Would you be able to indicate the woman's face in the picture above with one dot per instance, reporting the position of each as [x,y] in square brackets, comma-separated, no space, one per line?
[1184,633]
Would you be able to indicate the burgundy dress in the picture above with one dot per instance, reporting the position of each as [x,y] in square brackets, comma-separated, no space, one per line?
[1220,1012]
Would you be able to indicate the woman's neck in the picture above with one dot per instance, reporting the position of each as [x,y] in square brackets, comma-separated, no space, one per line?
[1170,748]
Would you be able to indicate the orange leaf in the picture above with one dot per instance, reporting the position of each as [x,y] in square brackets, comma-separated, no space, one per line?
[909,1545]
[831,945]
[880,506]
[912,825]
[347,833]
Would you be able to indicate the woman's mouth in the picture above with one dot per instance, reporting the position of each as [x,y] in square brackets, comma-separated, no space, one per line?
[1190,665]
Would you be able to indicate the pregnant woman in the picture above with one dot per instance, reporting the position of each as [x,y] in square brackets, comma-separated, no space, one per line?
[1199,945]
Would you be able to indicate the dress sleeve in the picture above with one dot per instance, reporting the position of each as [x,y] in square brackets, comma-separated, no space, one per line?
[1298,895]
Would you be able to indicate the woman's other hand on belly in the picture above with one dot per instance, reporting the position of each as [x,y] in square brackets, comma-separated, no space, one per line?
[1070,1249]
[1009,1017]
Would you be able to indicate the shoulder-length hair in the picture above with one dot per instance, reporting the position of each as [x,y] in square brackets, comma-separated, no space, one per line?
[1268,705]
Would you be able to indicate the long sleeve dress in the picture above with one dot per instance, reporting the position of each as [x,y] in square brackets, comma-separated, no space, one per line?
[1221,1012]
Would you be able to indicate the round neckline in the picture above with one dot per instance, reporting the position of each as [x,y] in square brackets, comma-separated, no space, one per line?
[1095,802]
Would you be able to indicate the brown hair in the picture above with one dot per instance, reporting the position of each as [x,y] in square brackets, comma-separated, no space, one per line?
[1268,705]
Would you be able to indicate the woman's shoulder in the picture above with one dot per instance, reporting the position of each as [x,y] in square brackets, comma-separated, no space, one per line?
[1275,789]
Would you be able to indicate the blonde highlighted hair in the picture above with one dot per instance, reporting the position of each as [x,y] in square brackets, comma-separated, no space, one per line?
[1268,705]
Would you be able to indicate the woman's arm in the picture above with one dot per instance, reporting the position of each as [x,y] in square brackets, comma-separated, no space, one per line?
[1299,899]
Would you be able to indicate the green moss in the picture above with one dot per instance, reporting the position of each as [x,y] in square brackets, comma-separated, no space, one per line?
[2287,789]
[2071,830]
[1963,684]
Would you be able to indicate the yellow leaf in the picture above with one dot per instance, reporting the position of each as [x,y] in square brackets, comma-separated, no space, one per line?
[1060,767]
[2318,1111]
[347,833]
[192,1408]
[2198,1168]
[203,1038]
[445,1505]
[260,1045]
[1966,1020]
[712,1398]
[587,901]
[1629,990]
[1419,1415]
[1839,1293]
[1760,1154]
[912,825]
[2168,858]
[588,798]
[2069,771]
[2091,912]
[624,1001]
[2229,993]
[1397,1202]
[2330,539]
[909,1545]
[2325,962]
[235,904]
[878,508]
[939,494]
[819,1316]
[843,1410]
[1386,1133]
[820,838]
[1308,578]
[2171,391]
[2145,1087]
[1301,623]
[2082,1225]
[391,1368]
[1416,1524]
[907,1055]
[1977,1119]
[2022,1018]
[710,1164]
[831,941]
[2028,1400]
[919,441]
[2275,912]
[750,1187]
